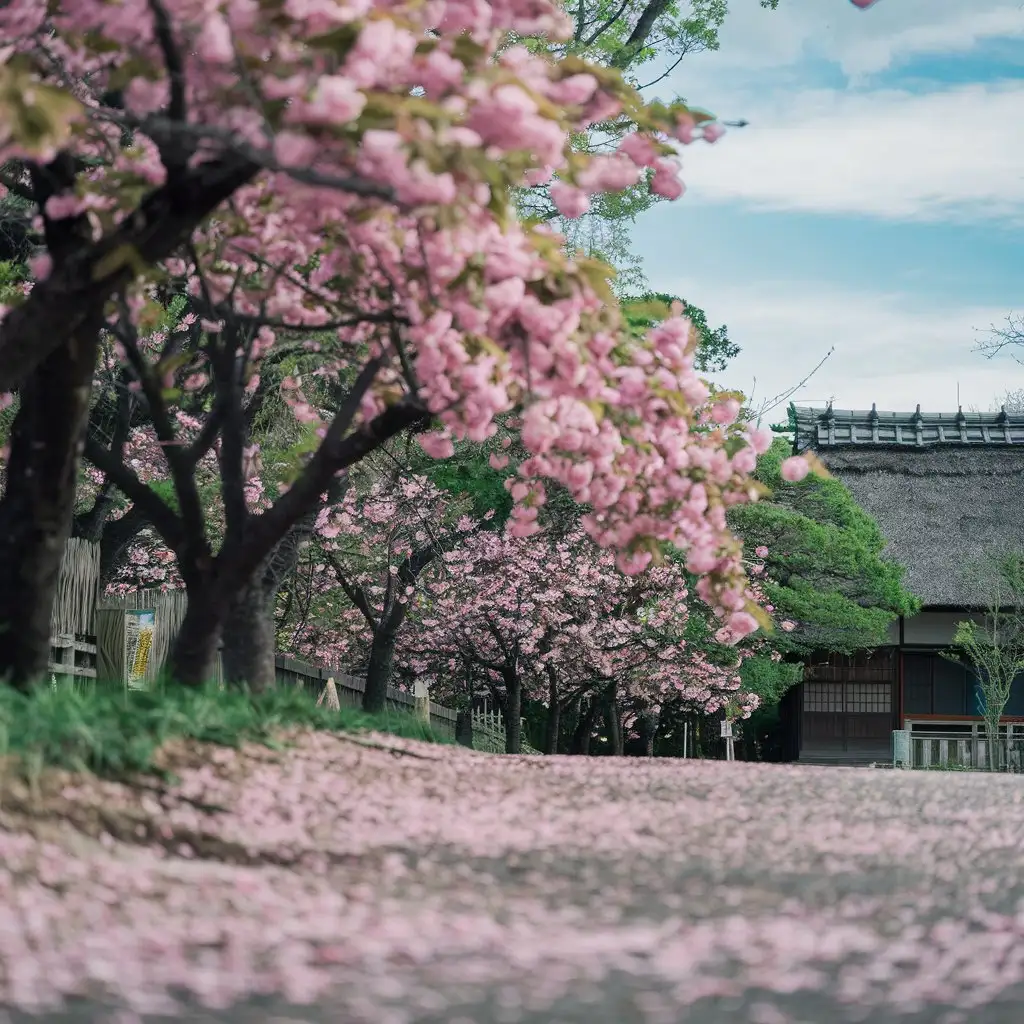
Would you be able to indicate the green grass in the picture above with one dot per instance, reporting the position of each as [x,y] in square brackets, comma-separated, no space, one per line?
[110,731]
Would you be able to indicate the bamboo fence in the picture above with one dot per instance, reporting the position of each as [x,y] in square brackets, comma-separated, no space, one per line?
[78,590]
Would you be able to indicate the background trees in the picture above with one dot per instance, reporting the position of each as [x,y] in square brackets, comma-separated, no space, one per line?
[550,618]
[824,573]
[993,649]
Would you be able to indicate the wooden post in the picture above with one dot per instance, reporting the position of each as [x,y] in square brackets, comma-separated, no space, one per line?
[421,696]
[329,694]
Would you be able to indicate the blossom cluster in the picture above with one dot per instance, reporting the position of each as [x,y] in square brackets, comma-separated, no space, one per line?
[385,138]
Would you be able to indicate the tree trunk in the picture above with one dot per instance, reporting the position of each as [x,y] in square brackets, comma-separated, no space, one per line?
[513,713]
[585,730]
[552,728]
[194,654]
[992,735]
[250,630]
[38,503]
[648,730]
[378,673]
[464,728]
[613,722]
[614,725]
[250,642]
[554,719]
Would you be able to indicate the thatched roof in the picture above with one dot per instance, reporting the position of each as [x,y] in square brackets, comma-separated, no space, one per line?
[944,488]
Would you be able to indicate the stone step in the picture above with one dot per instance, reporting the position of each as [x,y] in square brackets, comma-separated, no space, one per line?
[845,759]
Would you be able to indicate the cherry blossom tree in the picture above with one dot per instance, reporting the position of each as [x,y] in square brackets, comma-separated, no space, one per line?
[359,169]
[551,618]
[376,545]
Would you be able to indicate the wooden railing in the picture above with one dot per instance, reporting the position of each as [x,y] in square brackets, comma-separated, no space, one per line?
[972,752]
[72,657]
[935,748]
[489,731]
[350,689]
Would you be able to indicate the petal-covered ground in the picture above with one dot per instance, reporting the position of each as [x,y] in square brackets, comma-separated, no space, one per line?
[353,879]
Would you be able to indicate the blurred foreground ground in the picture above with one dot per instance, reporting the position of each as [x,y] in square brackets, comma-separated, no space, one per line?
[368,880]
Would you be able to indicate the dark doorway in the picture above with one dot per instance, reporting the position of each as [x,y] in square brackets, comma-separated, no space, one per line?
[847,706]
[847,716]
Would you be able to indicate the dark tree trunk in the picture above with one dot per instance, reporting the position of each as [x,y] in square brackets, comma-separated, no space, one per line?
[385,629]
[194,654]
[554,719]
[585,729]
[613,722]
[552,728]
[250,629]
[38,503]
[378,673]
[571,715]
[250,642]
[513,713]
[464,728]
[648,730]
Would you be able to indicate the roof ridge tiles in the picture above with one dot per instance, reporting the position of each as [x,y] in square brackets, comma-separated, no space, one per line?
[831,428]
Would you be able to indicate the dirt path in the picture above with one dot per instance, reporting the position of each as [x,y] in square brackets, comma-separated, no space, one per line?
[382,881]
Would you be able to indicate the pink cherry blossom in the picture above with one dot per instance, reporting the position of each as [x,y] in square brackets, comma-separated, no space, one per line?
[385,166]
[795,468]
[665,181]
[712,132]
[571,202]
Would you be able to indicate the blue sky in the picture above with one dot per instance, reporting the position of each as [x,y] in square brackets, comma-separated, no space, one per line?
[875,205]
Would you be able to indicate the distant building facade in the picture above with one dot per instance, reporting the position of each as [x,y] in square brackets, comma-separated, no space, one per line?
[944,489]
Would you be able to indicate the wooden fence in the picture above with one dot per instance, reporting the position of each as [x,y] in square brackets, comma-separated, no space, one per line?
[88,640]
[489,731]
[961,750]
[971,752]
[73,652]
[169,609]
[313,678]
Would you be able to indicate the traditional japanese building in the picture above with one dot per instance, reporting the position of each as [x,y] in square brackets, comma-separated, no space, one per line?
[944,489]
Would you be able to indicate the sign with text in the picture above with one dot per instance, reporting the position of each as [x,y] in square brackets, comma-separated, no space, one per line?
[138,643]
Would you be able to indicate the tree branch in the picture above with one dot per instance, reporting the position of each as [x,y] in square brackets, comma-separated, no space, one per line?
[338,451]
[93,271]
[174,159]
[353,591]
[157,511]
[182,472]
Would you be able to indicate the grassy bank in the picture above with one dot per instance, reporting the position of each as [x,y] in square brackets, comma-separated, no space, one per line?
[110,731]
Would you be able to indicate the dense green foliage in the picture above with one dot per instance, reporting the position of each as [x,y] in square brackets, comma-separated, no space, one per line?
[714,348]
[825,571]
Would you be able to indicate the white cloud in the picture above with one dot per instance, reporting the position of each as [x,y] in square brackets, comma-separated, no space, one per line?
[859,42]
[958,30]
[956,154]
[888,350]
